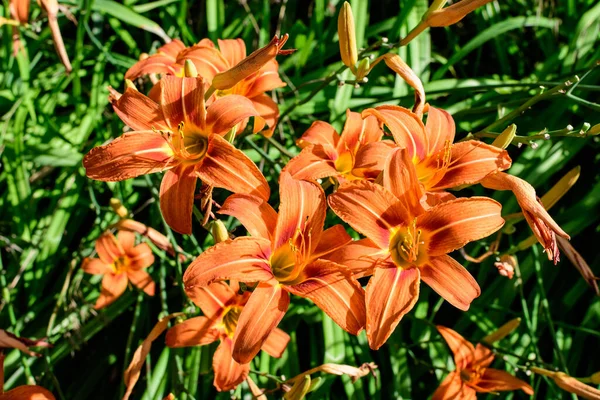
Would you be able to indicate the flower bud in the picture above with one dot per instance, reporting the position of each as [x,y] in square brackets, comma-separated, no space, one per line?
[594,130]
[595,378]
[505,138]
[219,231]
[251,64]
[189,69]
[454,13]
[502,332]
[118,208]
[570,384]
[347,36]
[560,188]
[396,64]
[19,10]
[299,389]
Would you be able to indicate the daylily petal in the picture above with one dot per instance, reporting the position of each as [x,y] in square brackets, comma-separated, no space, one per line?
[95,266]
[370,159]
[361,257]
[483,356]
[182,100]
[333,289]
[471,161]
[331,240]
[451,225]
[234,50]
[451,281]
[369,209]
[450,388]
[266,79]
[139,112]
[440,129]
[126,240]
[432,199]
[229,168]
[400,178]
[228,111]
[257,216]
[276,343]
[358,131]
[312,163]
[163,62]
[390,294]
[140,257]
[19,10]
[494,380]
[302,211]
[212,299]
[321,133]
[177,197]
[196,331]
[261,315]
[128,156]
[463,350]
[142,280]
[207,60]
[108,248]
[268,110]
[405,126]
[228,373]
[28,392]
[244,259]
[113,286]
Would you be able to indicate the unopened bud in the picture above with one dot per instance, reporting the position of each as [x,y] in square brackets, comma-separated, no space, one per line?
[118,208]
[130,85]
[397,64]
[299,389]
[505,138]
[19,10]
[219,231]
[594,130]
[454,13]
[595,378]
[189,69]
[560,188]
[503,331]
[364,67]
[347,37]
[251,64]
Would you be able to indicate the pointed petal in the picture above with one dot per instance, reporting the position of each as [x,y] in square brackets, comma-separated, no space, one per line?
[19,10]
[450,388]
[257,216]
[400,178]
[177,198]
[268,110]
[113,286]
[139,112]
[196,331]
[494,380]
[450,280]
[369,209]
[226,167]
[128,156]
[434,198]
[406,128]
[471,161]
[463,350]
[108,248]
[266,79]
[321,133]
[155,64]
[261,315]
[361,257]
[391,293]
[182,100]
[244,259]
[332,239]
[333,289]
[312,163]
[213,299]
[302,211]
[358,131]
[234,50]
[276,343]
[228,111]
[140,257]
[228,373]
[28,392]
[142,280]
[451,225]
[95,266]
[370,159]
[126,240]
[440,129]
[483,356]
[207,60]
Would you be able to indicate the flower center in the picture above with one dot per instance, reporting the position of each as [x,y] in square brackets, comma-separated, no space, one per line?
[407,246]
[230,319]
[188,144]
[121,264]
[432,169]
[284,263]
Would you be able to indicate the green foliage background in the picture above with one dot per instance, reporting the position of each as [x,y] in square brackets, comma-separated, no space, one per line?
[480,69]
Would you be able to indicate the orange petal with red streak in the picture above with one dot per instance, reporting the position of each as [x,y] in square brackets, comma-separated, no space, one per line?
[95,266]
[268,110]
[266,79]
[440,129]
[332,239]
[143,281]
[228,111]
[139,112]
[276,343]
[196,331]
[358,131]
[312,163]
[140,256]
[463,350]
[257,216]
[228,373]
[450,280]
[28,392]
[213,299]
[182,100]
[451,225]
[494,380]
[177,198]
[390,294]
[450,388]
[233,50]
[109,248]
[261,315]
[361,257]
[321,133]
[370,159]
[400,178]
[113,286]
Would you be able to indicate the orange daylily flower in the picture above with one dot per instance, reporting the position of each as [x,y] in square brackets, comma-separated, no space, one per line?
[472,374]
[406,243]
[28,392]
[10,341]
[210,61]
[181,136]
[440,164]
[222,305]
[325,153]
[120,261]
[543,226]
[283,256]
